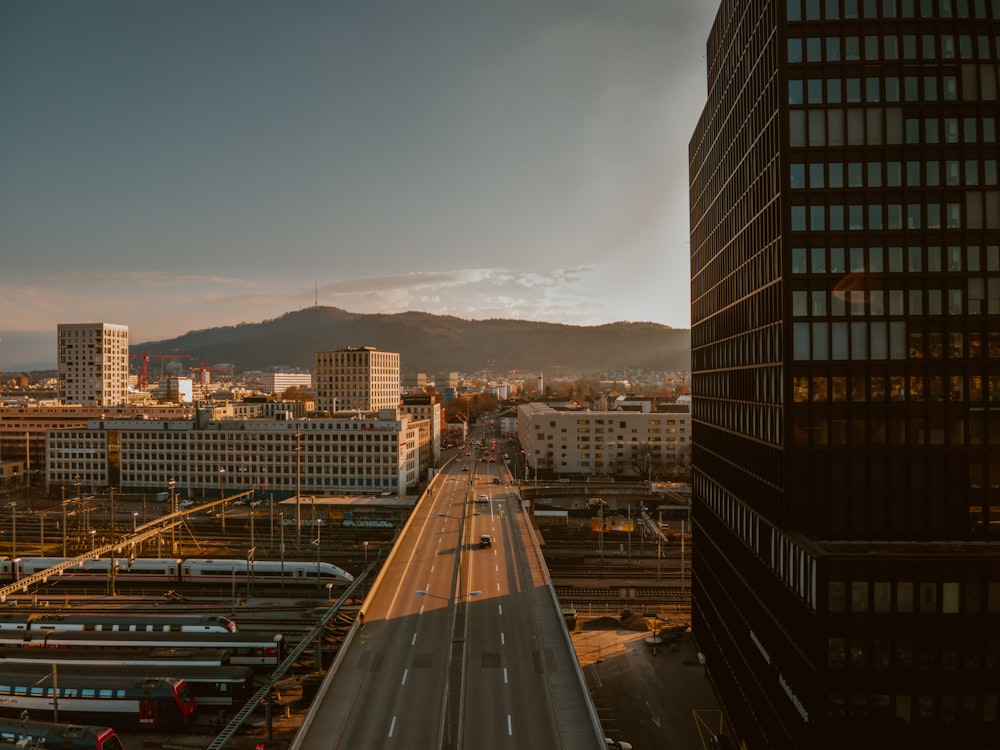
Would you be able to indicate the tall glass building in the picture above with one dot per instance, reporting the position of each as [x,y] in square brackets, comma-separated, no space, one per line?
[845,281]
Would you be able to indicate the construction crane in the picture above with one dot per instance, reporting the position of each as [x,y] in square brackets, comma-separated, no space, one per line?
[144,369]
[203,371]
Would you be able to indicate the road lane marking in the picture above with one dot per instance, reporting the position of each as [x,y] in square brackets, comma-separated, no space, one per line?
[405,671]
[500,610]
[392,726]
[505,675]
[503,641]
[510,726]
[414,641]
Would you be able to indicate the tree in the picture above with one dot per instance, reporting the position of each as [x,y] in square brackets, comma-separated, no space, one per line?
[644,460]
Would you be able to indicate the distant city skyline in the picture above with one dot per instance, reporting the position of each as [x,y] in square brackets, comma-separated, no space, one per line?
[178,166]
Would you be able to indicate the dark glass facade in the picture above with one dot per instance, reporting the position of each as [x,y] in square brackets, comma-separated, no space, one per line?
[845,284]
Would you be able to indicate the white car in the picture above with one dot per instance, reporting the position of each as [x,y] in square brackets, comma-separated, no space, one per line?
[483,499]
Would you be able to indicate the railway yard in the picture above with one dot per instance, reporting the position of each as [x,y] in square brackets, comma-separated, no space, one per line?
[287,629]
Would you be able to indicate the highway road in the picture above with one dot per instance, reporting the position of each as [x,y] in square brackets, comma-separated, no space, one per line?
[462,645]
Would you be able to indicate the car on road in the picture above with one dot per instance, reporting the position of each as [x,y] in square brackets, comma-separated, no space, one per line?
[483,499]
[496,480]
[485,540]
[465,468]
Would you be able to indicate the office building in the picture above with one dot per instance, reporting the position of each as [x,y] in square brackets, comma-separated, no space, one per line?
[845,284]
[357,378]
[92,364]
[371,453]
[279,382]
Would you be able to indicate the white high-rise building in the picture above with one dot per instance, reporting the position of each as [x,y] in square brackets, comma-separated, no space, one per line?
[93,363]
[361,378]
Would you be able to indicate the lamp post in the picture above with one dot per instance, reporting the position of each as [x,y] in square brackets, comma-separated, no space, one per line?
[222,506]
[281,546]
[315,543]
[298,487]
[13,523]
[173,509]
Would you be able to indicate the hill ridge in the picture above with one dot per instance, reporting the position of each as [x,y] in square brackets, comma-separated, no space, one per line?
[436,343]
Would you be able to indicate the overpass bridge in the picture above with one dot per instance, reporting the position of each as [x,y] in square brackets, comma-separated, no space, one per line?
[461,642]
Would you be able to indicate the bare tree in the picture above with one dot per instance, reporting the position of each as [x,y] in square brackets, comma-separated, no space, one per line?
[644,460]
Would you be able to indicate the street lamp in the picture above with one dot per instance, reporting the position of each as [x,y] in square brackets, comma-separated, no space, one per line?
[13,521]
[281,522]
[222,506]
[173,509]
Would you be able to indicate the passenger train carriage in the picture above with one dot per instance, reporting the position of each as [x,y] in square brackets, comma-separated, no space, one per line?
[245,649]
[86,692]
[47,735]
[173,571]
[126,655]
[119,621]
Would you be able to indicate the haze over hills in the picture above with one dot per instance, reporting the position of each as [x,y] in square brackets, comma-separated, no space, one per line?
[436,343]
[426,343]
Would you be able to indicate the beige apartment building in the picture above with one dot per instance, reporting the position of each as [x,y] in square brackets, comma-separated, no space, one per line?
[560,442]
[93,364]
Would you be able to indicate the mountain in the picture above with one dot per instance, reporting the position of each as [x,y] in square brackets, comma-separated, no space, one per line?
[436,343]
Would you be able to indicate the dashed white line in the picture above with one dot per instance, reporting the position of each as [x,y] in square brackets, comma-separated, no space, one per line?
[503,642]
[414,641]
[510,726]
[500,609]
[405,672]
[392,726]
[505,675]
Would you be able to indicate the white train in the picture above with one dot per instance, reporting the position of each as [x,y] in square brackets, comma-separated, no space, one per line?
[118,622]
[170,570]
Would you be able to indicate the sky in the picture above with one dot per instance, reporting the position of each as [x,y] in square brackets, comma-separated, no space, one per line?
[174,165]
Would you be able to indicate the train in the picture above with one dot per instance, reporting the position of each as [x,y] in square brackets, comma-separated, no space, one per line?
[119,622]
[48,735]
[180,570]
[211,686]
[126,655]
[245,649]
[125,703]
